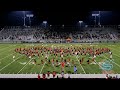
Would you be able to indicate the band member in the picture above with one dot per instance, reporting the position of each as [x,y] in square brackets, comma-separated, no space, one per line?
[54,74]
[80,61]
[49,61]
[38,76]
[110,55]
[42,61]
[68,62]
[53,62]
[88,61]
[73,62]
[34,61]
[57,63]
[62,65]
[48,73]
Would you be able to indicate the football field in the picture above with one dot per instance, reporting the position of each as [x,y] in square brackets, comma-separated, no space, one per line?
[21,64]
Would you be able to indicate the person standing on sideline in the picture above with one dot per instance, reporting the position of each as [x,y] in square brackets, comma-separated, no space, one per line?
[62,74]
[38,76]
[75,69]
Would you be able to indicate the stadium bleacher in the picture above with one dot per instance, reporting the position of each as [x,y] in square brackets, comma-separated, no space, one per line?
[40,34]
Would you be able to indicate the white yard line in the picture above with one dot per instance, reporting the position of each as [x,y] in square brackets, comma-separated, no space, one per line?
[42,67]
[116,55]
[113,62]
[9,64]
[116,64]
[4,48]
[24,66]
[81,66]
[100,66]
[7,56]
[115,50]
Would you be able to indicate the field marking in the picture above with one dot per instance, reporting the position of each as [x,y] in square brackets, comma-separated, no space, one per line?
[9,64]
[4,48]
[42,67]
[7,56]
[100,66]
[24,66]
[116,64]
[116,55]
[6,51]
[114,50]
[113,61]
[81,66]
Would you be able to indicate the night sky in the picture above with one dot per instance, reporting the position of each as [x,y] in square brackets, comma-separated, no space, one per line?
[59,12]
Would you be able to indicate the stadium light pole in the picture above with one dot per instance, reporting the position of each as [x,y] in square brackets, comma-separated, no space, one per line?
[80,23]
[99,19]
[95,15]
[45,22]
[63,26]
[50,26]
[24,17]
[30,16]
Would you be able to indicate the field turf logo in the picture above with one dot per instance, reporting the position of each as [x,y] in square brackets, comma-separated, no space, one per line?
[107,65]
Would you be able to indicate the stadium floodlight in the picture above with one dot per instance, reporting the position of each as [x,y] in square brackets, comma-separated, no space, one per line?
[80,23]
[29,16]
[95,15]
[45,22]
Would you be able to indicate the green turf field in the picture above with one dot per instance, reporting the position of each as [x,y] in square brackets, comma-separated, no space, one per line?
[22,64]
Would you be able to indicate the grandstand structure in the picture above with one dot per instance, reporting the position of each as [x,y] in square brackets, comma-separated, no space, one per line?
[38,34]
